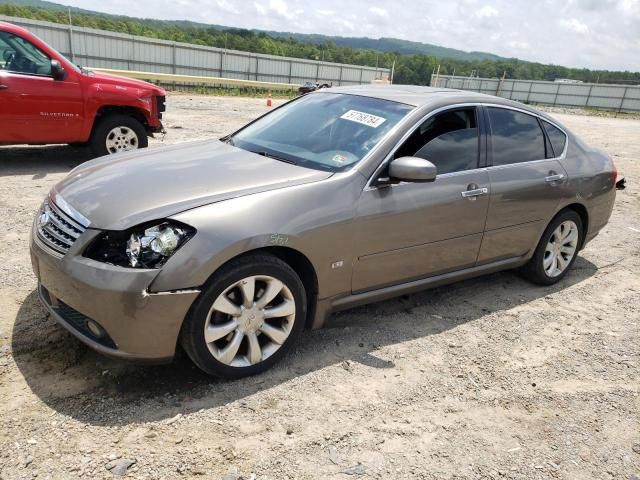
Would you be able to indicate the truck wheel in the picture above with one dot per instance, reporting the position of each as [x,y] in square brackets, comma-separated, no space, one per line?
[117,133]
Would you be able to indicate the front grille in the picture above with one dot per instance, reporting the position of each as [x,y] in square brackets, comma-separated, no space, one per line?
[56,229]
[160,105]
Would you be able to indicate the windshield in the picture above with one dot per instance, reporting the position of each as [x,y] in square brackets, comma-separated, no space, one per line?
[326,131]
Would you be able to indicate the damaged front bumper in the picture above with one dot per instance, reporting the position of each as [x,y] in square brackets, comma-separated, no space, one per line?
[108,307]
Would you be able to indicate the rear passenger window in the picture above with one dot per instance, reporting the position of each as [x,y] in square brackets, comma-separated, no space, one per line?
[515,136]
[449,140]
[557,138]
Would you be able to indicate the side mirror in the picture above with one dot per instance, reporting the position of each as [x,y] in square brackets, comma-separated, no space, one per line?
[57,70]
[412,169]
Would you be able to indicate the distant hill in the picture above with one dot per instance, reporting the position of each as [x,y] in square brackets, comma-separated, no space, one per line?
[405,47]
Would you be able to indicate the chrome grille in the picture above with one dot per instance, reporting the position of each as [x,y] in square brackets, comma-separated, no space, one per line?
[56,229]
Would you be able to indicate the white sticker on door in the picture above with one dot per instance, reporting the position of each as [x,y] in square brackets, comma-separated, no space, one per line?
[363,118]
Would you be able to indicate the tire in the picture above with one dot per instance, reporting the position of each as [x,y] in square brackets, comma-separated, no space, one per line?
[133,135]
[543,269]
[210,352]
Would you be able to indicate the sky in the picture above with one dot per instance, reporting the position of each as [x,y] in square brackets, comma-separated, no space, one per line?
[598,34]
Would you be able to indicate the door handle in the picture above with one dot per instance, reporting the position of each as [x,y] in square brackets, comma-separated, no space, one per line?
[556,177]
[3,87]
[476,192]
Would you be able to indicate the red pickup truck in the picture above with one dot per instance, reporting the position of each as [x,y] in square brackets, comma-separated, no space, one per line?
[44,98]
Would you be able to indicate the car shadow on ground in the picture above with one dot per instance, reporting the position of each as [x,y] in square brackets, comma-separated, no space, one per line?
[77,382]
[41,160]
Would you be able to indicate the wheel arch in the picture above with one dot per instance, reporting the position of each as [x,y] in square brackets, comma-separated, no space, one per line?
[582,211]
[106,110]
[299,262]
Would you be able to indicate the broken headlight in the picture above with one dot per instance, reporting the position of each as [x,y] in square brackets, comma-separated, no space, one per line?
[145,246]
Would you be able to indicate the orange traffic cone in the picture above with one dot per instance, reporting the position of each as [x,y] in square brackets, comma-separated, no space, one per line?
[269,102]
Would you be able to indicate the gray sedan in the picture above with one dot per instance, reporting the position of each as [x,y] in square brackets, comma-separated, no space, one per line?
[338,198]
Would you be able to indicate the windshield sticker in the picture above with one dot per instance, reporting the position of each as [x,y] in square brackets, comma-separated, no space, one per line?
[363,118]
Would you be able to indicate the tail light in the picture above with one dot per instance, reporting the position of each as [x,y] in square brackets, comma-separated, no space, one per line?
[619,182]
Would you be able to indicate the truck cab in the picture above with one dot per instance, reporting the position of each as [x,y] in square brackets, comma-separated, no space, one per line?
[46,99]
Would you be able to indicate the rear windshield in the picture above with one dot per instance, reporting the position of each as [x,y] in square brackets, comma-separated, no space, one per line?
[326,131]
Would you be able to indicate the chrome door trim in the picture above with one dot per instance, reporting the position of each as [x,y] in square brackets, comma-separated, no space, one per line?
[554,178]
[369,185]
[474,193]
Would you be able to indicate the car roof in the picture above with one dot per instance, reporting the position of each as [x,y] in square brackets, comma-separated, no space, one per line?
[418,96]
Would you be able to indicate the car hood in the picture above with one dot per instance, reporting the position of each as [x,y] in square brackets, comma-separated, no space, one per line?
[121,191]
[141,85]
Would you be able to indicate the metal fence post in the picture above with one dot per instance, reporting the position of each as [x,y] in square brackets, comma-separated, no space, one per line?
[555,99]
[175,60]
[626,89]
[340,77]
[529,92]
[71,51]
[317,71]
[257,66]
[290,69]
[588,95]
[361,72]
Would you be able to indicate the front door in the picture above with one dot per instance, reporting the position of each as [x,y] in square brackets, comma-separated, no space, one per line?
[35,107]
[408,230]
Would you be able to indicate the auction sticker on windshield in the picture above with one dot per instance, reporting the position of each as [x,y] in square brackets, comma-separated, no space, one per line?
[364,118]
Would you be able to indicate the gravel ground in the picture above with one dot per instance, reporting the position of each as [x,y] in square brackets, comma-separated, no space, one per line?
[488,378]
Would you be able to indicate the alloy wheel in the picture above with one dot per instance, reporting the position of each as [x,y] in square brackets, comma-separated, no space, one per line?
[249,321]
[560,249]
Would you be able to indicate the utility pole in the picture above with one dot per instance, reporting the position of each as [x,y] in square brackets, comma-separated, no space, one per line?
[504,74]
[435,83]
[393,68]
[73,59]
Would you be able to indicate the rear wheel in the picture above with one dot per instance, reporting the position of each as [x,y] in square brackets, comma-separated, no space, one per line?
[247,317]
[557,250]
[117,133]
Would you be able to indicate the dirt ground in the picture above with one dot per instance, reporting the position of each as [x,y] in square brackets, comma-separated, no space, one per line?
[489,378]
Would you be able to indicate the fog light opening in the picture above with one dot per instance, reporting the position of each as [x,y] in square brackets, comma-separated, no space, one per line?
[95,329]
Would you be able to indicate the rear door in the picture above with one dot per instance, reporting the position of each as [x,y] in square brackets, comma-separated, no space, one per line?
[409,230]
[35,107]
[527,183]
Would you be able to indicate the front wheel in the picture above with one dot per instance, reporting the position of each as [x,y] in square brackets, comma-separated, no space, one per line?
[117,133]
[246,318]
[557,250]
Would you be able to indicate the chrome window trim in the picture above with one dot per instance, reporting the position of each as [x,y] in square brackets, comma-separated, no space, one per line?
[566,137]
[544,134]
[404,138]
[369,186]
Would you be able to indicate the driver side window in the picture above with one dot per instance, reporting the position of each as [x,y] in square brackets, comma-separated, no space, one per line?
[20,56]
[450,140]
